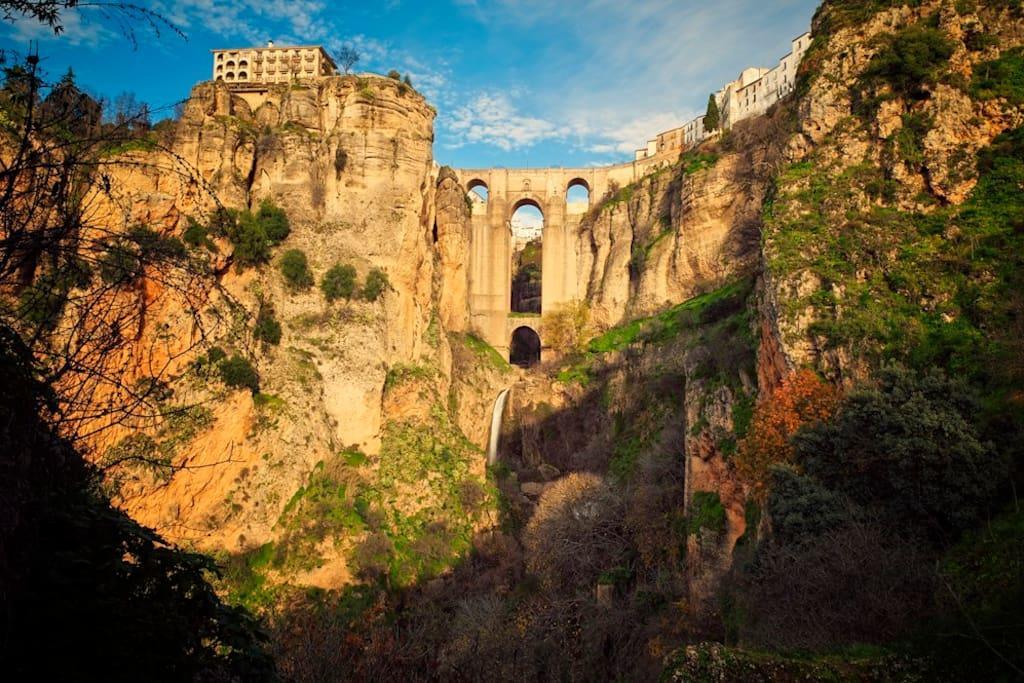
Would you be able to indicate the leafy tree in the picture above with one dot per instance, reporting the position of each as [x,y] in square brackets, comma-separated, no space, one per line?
[274,221]
[568,329]
[801,399]
[295,269]
[376,283]
[339,282]
[238,373]
[910,59]
[800,508]
[267,329]
[711,117]
[395,75]
[907,448]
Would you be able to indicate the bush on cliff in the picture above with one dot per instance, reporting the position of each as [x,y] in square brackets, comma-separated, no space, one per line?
[238,373]
[376,283]
[295,270]
[339,282]
[267,329]
[910,60]
[251,234]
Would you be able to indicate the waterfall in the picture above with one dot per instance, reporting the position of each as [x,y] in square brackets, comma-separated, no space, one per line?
[496,414]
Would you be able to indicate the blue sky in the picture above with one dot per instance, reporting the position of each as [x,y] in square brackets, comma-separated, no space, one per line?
[516,82]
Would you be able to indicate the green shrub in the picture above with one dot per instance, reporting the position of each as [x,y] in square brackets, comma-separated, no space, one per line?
[908,449]
[395,75]
[376,283]
[238,373]
[339,282]
[267,329]
[800,508]
[1003,77]
[910,59]
[274,221]
[42,302]
[251,234]
[125,257]
[216,355]
[706,512]
[195,234]
[295,270]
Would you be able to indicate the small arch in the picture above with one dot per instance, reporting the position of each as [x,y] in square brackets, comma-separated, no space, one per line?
[243,64]
[242,75]
[524,349]
[477,191]
[219,77]
[230,76]
[220,68]
[577,192]
[231,64]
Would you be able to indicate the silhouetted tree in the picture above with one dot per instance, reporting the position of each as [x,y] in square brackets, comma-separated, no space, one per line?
[347,56]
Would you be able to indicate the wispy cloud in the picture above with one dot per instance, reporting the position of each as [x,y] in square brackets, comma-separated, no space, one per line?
[491,118]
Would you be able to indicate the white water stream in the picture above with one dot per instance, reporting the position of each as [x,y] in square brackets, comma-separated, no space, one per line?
[496,414]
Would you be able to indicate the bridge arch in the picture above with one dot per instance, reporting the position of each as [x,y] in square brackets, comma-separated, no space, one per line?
[577,191]
[478,192]
[527,224]
[524,348]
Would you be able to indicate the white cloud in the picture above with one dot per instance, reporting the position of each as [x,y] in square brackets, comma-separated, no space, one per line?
[490,118]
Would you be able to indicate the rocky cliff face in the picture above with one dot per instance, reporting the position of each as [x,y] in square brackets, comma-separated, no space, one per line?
[870,155]
[349,160]
[671,235]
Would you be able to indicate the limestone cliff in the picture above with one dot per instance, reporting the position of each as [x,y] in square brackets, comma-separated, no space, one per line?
[675,233]
[350,162]
[870,155]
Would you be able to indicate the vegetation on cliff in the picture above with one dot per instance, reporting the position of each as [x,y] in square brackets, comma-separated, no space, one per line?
[78,577]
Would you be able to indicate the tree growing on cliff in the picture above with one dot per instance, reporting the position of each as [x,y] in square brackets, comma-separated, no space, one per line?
[568,329]
[376,283]
[295,270]
[801,399]
[348,56]
[711,117]
[339,282]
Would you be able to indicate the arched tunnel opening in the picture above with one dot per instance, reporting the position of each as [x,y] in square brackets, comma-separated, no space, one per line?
[524,350]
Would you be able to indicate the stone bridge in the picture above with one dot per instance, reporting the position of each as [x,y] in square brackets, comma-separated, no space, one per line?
[491,247]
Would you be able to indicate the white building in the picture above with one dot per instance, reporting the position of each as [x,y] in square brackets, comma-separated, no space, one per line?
[272,64]
[751,94]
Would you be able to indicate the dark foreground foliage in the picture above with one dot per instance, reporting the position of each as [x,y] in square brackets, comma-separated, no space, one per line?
[87,593]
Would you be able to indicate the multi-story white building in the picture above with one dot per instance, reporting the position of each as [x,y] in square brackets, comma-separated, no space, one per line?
[751,94]
[272,64]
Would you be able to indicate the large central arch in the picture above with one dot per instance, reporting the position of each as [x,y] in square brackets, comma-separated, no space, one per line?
[527,285]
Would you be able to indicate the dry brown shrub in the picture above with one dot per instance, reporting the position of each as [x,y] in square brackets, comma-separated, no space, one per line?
[576,533]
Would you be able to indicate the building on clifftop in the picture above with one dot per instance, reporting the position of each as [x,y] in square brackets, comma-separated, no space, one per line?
[751,94]
[272,64]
